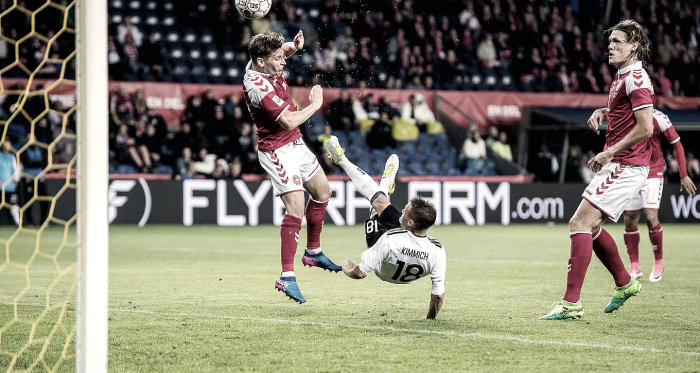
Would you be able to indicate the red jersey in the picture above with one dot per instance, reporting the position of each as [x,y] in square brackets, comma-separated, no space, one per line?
[268,97]
[630,91]
[662,127]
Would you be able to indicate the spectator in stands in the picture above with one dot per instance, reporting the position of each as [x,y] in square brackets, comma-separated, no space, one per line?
[127,29]
[662,84]
[235,169]
[417,112]
[150,145]
[346,40]
[245,149]
[473,152]
[151,59]
[122,116]
[546,165]
[126,150]
[217,132]
[492,137]
[342,117]
[379,135]
[194,113]
[502,148]
[387,107]
[114,58]
[486,53]
[185,138]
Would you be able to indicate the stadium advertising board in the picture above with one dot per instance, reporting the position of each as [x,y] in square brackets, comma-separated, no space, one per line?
[240,203]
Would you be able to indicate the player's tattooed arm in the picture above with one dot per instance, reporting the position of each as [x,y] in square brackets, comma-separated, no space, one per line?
[435,306]
[351,270]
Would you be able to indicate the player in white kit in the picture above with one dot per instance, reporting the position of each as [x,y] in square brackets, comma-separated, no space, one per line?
[398,247]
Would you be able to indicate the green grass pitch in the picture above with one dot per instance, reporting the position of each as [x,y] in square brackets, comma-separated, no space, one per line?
[202,299]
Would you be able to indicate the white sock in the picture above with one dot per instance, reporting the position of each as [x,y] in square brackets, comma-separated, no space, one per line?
[287,274]
[313,251]
[363,182]
[14,211]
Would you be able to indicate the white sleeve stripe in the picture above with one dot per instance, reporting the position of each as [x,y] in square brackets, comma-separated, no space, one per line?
[642,107]
[281,112]
[676,140]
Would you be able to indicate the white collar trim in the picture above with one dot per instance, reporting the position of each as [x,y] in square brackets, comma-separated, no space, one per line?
[635,66]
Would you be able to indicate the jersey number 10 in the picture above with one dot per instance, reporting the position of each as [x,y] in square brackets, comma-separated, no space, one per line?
[413,272]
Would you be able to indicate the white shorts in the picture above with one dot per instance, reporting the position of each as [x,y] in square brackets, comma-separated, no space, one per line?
[614,186]
[649,197]
[289,167]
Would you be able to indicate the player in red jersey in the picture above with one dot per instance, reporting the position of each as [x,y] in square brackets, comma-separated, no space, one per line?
[621,170]
[649,198]
[284,156]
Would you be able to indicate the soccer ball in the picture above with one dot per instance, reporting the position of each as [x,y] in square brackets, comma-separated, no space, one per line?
[253,9]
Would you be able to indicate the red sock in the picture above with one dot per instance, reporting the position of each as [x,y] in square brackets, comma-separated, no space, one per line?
[656,235]
[315,213]
[289,233]
[632,244]
[606,250]
[579,259]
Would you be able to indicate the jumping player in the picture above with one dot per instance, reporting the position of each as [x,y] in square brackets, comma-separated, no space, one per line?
[398,247]
[621,170]
[284,156]
[649,198]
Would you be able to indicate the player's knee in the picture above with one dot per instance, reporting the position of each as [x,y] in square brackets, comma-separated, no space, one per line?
[323,195]
[652,219]
[576,224]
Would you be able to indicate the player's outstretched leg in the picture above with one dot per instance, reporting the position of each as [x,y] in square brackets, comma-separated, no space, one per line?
[335,151]
[318,259]
[623,293]
[388,182]
[565,310]
[290,288]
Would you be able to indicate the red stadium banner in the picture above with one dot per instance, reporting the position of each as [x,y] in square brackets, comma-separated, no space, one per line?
[486,107]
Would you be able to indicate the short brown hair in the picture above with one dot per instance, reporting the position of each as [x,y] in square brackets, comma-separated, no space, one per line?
[263,45]
[635,34]
[422,212]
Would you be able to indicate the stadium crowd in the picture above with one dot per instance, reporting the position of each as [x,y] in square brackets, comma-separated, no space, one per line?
[462,44]
[535,45]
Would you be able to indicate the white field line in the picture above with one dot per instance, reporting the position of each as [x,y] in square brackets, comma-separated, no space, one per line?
[392,329]
[418,331]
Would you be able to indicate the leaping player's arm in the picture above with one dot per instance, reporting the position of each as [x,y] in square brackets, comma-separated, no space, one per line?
[643,129]
[290,47]
[352,271]
[437,295]
[290,120]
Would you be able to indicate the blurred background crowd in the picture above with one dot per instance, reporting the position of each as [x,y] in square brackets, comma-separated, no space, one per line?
[507,45]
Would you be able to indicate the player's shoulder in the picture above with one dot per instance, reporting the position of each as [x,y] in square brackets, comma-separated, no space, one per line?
[638,78]
[435,242]
[661,120]
[256,86]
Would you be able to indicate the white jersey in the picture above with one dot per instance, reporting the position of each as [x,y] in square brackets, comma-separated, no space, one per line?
[400,257]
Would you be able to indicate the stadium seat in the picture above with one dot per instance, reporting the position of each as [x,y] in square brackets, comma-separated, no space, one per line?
[181,72]
[116,4]
[177,55]
[152,21]
[135,19]
[126,169]
[433,167]
[116,17]
[135,5]
[215,73]
[168,21]
[195,55]
[165,169]
[168,6]
[212,55]
[199,73]
[206,37]
[234,75]
[151,6]
[172,37]
[189,37]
